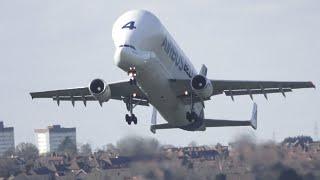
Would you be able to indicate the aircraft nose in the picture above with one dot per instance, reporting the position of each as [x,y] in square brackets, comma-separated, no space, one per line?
[127,56]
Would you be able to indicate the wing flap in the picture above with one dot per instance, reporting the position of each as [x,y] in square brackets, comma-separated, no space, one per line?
[235,88]
[119,91]
[84,91]
[74,98]
[255,91]
[236,85]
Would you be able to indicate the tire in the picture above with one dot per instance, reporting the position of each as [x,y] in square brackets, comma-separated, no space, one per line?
[188,116]
[194,116]
[135,121]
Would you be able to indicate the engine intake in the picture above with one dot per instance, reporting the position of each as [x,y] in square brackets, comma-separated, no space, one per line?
[201,86]
[198,82]
[100,90]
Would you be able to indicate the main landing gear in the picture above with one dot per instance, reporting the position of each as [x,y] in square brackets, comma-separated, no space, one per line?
[191,116]
[130,117]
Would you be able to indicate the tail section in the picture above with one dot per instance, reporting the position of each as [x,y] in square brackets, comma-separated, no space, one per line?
[223,123]
[153,120]
[208,122]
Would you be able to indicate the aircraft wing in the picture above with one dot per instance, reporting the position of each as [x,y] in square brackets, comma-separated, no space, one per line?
[235,88]
[119,91]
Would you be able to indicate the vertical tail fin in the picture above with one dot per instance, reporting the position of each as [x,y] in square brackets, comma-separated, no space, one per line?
[154,116]
[153,120]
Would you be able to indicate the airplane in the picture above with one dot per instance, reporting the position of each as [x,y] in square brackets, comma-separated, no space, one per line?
[161,75]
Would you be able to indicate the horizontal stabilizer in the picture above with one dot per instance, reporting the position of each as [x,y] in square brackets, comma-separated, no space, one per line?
[222,123]
[153,128]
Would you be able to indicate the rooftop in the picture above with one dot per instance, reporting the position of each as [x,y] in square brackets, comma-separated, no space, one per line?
[55,128]
[5,129]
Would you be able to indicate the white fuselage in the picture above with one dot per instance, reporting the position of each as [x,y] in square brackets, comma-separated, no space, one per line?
[142,42]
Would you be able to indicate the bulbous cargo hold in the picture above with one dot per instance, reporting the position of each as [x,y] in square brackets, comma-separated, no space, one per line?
[100,90]
[201,86]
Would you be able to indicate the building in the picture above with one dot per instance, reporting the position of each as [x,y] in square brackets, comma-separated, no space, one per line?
[314,147]
[49,139]
[6,138]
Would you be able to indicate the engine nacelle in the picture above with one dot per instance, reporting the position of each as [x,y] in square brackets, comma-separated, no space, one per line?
[100,90]
[201,86]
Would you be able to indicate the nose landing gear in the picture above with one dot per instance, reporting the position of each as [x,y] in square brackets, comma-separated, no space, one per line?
[132,73]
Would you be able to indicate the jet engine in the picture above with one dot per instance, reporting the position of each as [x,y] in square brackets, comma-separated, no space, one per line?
[100,90]
[201,86]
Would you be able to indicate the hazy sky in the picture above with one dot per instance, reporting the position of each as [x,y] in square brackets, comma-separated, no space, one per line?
[48,45]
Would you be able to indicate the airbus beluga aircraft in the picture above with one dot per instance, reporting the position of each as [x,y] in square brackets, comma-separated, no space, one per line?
[162,76]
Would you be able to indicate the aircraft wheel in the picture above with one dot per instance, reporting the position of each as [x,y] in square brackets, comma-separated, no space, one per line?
[134,119]
[133,81]
[188,116]
[194,116]
[128,119]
